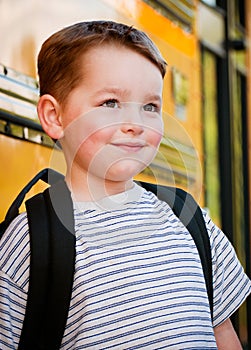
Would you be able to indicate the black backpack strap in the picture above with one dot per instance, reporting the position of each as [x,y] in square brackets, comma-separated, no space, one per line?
[35,315]
[51,225]
[188,211]
[47,175]
[63,255]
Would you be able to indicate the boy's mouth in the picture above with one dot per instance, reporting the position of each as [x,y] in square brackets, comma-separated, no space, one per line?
[130,146]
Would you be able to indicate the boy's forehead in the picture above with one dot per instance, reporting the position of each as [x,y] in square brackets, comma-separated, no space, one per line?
[112,51]
[114,69]
[112,55]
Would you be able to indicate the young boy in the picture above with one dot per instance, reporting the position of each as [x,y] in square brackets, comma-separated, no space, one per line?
[138,281]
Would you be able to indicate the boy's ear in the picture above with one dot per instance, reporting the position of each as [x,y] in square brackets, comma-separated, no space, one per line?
[49,113]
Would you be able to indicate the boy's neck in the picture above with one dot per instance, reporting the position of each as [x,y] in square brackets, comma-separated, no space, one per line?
[93,189]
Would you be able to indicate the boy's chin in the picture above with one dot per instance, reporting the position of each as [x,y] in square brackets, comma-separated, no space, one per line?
[124,172]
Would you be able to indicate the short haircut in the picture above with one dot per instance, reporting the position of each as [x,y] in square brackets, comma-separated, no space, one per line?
[59,67]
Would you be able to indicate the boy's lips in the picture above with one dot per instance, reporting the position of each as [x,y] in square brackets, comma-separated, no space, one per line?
[129,146]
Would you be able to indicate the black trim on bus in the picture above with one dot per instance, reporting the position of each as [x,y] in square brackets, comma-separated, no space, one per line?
[21,128]
[21,121]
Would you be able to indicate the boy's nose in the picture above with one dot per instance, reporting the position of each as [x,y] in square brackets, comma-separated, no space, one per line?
[132,120]
[131,127]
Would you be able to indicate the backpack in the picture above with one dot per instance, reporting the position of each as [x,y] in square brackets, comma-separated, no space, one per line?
[52,259]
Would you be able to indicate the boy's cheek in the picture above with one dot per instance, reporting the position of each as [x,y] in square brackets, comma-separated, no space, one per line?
[156,137]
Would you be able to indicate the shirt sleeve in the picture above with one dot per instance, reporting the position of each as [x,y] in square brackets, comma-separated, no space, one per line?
[230,283]
[14,277]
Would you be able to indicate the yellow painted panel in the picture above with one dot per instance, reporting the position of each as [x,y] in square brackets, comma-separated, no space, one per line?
[157,24]
[20,161]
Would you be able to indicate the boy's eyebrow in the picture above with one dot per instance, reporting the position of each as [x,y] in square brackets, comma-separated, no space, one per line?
[126,92]
[154,97]
[113,90]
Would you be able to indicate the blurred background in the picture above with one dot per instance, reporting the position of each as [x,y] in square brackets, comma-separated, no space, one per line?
[207,102]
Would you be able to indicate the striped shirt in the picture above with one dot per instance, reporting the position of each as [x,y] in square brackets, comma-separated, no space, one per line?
[138,281]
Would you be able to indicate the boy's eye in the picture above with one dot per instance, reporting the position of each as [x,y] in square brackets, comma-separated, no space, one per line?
[151,107]
[110,104]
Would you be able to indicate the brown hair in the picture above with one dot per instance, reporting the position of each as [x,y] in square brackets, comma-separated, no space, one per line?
[58,66]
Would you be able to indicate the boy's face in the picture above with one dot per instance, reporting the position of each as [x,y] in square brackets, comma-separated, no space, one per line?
[112,121]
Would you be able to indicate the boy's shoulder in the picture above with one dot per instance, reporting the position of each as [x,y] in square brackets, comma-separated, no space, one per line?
[15,251]
[16,231]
